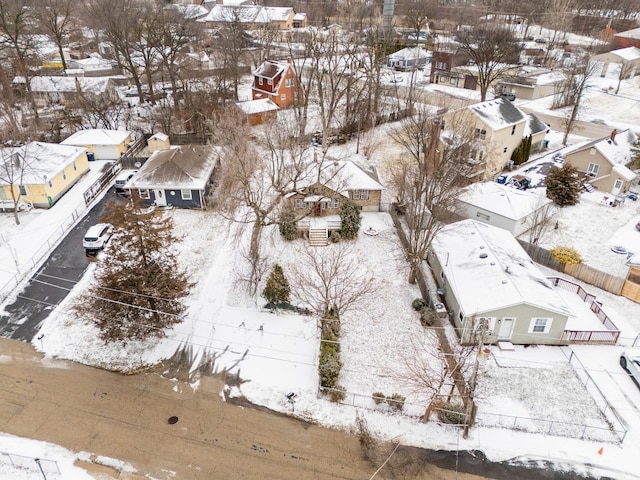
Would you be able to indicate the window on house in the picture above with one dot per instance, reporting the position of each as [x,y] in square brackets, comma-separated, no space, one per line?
[360,194]
[504,150]
[143,193]
[442,79]
[618,184]
[23,190]
[50,183]
[186,194]
[592,151]
[481,132]
[461,316]
[483,216]
[593,169]
[260,81]
[441,65]
[288,83]
[300,205]
[540,325]
[513,130]
[269,82]
[74,166]
[452,81]
[480,155]
[64,175]
[334,203]
[283,97]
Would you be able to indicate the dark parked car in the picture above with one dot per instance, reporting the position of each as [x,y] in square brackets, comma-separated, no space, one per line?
[520,182]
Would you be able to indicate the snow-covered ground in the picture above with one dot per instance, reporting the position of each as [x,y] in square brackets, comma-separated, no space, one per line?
[277,352]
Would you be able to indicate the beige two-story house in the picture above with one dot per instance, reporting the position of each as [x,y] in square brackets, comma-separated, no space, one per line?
[498,127]
[605,162]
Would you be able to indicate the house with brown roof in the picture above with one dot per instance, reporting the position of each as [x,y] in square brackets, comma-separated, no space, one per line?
[276,81]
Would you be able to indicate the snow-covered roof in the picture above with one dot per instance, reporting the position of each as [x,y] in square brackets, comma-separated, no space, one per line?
[617,151]
[633,33]
[163,137]
[487,269]
[624,172]
[299,17]
[97,136]
[502,200]
[43,160]
[270,69]
[237,13]
[46,83]
[180,167]
[257,106]
[189,11]
[629,53]
[278,14]
[534,125]
[93,60]
[343,176]
[498,113]
[409,53]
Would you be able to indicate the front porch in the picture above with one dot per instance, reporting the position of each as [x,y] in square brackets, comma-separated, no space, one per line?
[318,229]
[590,324]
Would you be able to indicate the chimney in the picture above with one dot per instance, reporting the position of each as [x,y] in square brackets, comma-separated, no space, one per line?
[614,132]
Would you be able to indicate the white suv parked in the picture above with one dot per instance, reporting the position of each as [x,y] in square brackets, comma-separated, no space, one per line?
[96,238]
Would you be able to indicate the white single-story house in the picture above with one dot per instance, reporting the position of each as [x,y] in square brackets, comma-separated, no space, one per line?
[101,144]
[490,286]
[502,206]
[408,58]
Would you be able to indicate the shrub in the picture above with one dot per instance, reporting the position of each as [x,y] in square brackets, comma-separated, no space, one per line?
[350,218]
[452,413]
[335,236]
[287,223]
[418,304]
[277,289]
[427,317]
[396,401]
[379,397]
[329,365]
[566,255]
[337,394]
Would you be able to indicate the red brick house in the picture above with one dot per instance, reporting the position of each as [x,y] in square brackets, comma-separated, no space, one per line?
[630,38]
[276,81]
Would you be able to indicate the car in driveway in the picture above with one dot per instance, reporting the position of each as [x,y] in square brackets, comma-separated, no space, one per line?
[630,361]
[96,238]
[121,180]
[521,182]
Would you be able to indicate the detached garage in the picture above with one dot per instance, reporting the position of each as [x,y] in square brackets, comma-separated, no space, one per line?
[101,144]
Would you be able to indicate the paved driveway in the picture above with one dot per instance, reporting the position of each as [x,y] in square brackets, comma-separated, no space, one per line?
[21,319]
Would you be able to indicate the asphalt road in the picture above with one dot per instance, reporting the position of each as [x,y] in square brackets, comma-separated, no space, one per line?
[22,319]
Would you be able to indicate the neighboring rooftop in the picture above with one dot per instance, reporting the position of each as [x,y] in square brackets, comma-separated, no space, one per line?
[502,200]
[43,160]
[97,136]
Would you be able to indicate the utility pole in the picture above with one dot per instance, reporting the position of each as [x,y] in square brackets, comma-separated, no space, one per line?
[482,327]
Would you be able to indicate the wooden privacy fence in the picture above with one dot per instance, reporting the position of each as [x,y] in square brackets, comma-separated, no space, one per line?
[582,272]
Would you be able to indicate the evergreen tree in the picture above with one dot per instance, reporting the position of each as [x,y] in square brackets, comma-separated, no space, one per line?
[287,223]
[277,289]
[563,185]
[522,152]
[351,218]
[139,286]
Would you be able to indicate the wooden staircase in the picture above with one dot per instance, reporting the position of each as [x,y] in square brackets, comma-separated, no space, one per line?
[318,237]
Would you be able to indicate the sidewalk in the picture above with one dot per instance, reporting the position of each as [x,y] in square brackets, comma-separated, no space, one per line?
[24,246]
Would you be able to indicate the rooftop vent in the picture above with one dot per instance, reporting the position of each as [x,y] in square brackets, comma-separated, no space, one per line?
[483,255]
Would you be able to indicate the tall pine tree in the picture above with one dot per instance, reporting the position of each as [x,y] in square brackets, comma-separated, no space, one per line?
[563,185]
[139,286]
[277,289]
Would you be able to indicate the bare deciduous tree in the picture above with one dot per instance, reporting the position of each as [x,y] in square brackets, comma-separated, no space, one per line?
[13,168]
[427,183]
[493,49]
[55,17]
[539,222]
[331,279]
[426,372]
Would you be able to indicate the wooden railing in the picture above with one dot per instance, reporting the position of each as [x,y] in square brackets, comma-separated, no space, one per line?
[610,336]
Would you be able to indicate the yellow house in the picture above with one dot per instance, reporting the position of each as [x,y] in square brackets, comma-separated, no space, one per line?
[497,127]
[101,144]
[40,173]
